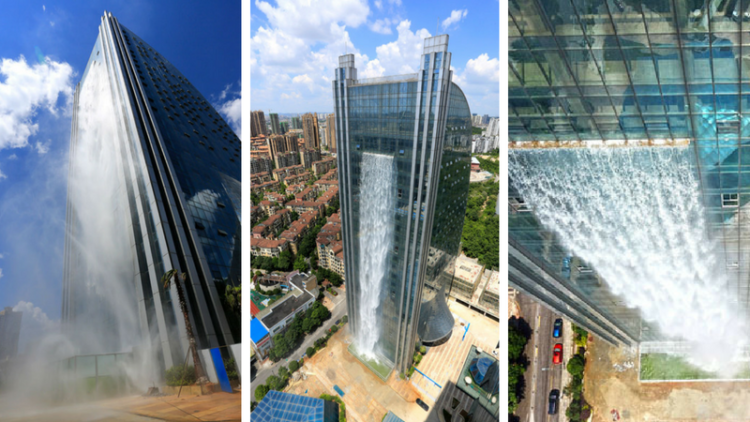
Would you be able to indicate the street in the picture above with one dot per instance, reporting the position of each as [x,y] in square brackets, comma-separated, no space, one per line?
[270,368]
[542,376]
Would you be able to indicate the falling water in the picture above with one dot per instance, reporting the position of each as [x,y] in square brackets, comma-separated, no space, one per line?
[376,234]
[635,215]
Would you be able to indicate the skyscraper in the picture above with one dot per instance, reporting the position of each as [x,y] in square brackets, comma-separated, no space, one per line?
[310,130]
[296,123]
[275,128]
[153,185]
[10,331]
[277,145]
[258,124]
[403,181]
[671,75]
[331,131]
[290,142]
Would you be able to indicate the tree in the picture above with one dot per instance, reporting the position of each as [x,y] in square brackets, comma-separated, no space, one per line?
[293,366]
[310,351]
[294,215]
[274,383]
[345,319]
[284,262]
[167,279]
[516,343]
[233,295]
[334,328]
[261,392]
[576,365]
[307,325]
[300,264]
[283,373]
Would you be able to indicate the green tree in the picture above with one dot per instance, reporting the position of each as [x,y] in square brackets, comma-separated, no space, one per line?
[576,365]
[293,366]
[283,373]
[300,264]
[294,215]
[516,343]
[274,383]
[310,351]
[261,392]
[285,259]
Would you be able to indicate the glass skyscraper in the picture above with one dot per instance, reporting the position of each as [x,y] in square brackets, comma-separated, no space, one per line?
[647,72]
[418,128]
[153,186]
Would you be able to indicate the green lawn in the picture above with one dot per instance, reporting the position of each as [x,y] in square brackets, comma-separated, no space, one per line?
[660,366]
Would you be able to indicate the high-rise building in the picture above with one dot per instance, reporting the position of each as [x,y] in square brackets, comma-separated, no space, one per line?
[309,157]
[10,331]
[310,131]
[153,185]
[404,182]
[258,124]
[275,128]
[296,124]
[284,127]
[260,165]
[672,75]
[485,119]
[323,125]
[331,132]
[277,145]
[290,142]
[287,159]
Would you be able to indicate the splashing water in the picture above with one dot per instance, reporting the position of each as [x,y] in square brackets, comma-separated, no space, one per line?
[635,215]
[376,234]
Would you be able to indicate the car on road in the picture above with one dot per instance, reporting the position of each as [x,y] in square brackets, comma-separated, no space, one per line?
[554,395]
[557,329]
[557,354]
[423,405]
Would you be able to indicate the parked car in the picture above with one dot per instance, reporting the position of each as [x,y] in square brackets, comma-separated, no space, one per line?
[557,354]
[557,330]
[423,405]
[554,395]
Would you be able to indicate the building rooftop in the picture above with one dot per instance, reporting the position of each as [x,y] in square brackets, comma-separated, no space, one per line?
[489,379]
[257,330]
[294,299]
[467,270]
[278,406]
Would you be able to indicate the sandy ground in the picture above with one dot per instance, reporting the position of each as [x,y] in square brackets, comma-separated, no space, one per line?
[610,383]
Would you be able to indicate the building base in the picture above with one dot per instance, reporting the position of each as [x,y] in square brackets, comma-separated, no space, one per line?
[378,367]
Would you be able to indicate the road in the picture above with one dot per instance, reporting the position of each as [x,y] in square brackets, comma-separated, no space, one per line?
[542,376]
[266,370]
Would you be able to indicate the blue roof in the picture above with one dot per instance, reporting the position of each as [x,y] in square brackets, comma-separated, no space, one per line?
[277,406]
[257,331]
[391,417]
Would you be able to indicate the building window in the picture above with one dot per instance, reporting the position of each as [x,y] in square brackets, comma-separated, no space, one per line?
[517,205]
[730,200]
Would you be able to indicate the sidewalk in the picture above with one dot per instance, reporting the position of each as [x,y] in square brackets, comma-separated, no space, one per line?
[212,407]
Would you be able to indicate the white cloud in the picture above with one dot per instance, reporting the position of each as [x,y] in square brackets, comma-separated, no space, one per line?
[311,20]
[455,17]
[44,8]
[51,23]
[1,273]
[381,26]
[373,69]
[293,95]
[229,105]
[42,148]
[13,157]
[379,4]
[25,91]
[2,175]
[1,256]
[302,79]
[35,324]
[402,56]
[480,80]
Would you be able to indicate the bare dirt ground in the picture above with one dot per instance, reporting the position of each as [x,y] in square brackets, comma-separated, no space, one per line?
[611,383]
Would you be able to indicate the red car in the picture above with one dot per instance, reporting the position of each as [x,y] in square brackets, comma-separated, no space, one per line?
[557,354]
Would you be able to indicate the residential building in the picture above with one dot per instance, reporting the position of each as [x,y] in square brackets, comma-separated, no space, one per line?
[466,278]
[415,219]
[287,159]
[296,123]
[261,165]
[258,124]
[307,194]
[290,142]
[322,126]
[328,196]
[166,194]
[10,331]
[275,128]
[284,127]
[323,166]
[303,206]
[267,247]
[331,132]
[281,174]
[311,131]
[309,156]
[277,145]
[276,317]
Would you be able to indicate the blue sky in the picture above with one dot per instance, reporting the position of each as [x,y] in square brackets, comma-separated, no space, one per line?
[44,47]
[295,47]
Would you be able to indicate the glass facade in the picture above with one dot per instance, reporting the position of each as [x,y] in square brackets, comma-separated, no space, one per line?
[177,195]
[645,72]
[423,122]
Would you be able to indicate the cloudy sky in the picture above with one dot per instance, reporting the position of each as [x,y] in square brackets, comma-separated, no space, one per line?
[296,44]
[44,48]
